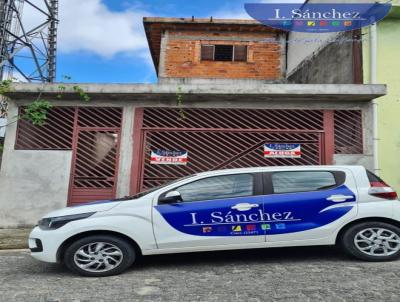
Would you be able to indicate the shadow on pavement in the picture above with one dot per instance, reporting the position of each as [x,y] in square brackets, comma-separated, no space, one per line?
[293,255]
[265,256]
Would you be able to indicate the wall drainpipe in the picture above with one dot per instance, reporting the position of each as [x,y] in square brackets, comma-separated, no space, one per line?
[373,80]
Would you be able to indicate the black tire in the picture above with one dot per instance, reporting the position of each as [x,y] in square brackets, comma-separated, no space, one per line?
[121,246]
[349,245]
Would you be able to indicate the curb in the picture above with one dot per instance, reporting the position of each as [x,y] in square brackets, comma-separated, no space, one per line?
[4,251]
[14,239]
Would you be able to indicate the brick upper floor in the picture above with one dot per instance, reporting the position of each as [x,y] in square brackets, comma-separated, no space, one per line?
[206,48]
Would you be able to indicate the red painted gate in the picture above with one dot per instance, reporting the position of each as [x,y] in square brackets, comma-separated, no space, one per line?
[214,138]
[96,152]
[225,138]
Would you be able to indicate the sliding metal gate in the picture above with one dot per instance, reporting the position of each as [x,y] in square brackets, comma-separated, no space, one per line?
[221,139]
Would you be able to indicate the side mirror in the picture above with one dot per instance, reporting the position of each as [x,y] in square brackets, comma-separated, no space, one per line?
[170,197]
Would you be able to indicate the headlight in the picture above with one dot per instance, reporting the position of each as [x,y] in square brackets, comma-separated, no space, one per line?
[53,223]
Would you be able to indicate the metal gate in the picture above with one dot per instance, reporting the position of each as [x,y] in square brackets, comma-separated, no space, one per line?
[222,139]
[96,152]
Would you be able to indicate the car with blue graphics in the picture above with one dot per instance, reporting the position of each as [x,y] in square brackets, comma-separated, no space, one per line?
[226,210]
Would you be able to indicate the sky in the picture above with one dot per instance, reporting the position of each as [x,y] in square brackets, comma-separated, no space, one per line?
[104,40]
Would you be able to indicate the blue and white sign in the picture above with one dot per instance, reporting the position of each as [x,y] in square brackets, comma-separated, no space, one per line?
[282,151]
[258,215]
[318,17]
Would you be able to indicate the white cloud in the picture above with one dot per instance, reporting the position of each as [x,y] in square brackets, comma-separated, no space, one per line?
[90,26]
[233,12]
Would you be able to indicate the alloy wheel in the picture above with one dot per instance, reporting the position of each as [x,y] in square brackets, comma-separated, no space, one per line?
[98,257]
[377,242]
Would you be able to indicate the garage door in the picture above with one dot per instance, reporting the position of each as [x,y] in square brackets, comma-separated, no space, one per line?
[222,139]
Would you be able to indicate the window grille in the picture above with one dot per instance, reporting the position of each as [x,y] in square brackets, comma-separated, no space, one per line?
[55,134]
[58,131]
[348,132]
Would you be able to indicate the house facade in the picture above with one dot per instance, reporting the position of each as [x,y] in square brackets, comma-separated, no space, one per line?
[314,57]
[388,66]
[223,98]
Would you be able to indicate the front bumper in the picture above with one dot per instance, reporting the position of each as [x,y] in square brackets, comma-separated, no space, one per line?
[45,244]
[35,245]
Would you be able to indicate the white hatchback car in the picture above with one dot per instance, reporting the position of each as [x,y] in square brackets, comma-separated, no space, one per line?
[228,209]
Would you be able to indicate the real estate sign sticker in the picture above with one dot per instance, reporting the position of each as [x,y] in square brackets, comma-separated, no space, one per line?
[165,157]
[282,151]
[303,16]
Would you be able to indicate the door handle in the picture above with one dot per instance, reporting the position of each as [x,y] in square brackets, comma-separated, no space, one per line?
[244,206]
[339,198]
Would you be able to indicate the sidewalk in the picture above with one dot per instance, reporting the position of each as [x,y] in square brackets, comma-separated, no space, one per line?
[14,238]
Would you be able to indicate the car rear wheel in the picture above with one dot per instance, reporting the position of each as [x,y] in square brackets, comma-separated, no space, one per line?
[372,241]
[99,256]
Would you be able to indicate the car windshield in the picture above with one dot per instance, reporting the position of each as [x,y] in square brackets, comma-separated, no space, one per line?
[141,194]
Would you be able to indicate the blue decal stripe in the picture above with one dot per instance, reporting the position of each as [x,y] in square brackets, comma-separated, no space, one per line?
[275,214]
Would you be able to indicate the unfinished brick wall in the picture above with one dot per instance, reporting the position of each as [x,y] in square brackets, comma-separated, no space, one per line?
[181,55]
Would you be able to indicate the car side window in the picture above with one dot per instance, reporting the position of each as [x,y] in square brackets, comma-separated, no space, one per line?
[302,181]
[218,187]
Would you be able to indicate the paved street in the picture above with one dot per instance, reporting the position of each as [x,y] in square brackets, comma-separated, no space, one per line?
[295,274]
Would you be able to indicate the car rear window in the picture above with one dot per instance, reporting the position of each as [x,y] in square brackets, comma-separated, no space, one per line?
[302,181]
[373,178]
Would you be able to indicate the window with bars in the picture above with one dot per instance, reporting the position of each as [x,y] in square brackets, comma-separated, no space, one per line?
[224,53]
[58,131]
[348,132]
[55,134]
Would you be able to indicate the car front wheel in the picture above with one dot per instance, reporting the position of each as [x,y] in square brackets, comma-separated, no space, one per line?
[372,241]
[99,256]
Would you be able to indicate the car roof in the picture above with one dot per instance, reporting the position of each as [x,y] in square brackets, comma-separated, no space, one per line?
[279,168]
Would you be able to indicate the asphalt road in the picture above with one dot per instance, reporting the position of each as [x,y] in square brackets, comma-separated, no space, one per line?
[290,274]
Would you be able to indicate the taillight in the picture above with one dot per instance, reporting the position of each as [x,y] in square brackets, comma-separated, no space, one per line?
[382,190]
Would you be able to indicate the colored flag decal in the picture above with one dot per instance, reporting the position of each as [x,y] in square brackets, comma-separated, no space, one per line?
[265,226]
[307,17]
[282,150]
[251,227]
[164,157]
[236,228]
[207,229]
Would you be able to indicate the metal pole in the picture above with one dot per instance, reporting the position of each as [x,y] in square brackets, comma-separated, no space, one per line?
[373,80]
[4,24]
[53,40]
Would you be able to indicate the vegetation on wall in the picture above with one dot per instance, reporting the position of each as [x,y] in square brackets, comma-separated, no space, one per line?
[37,111]
[5,86]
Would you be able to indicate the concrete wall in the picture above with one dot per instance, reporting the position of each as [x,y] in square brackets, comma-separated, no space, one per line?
[332,64]
[303,46]
[126,147]
[33,183]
